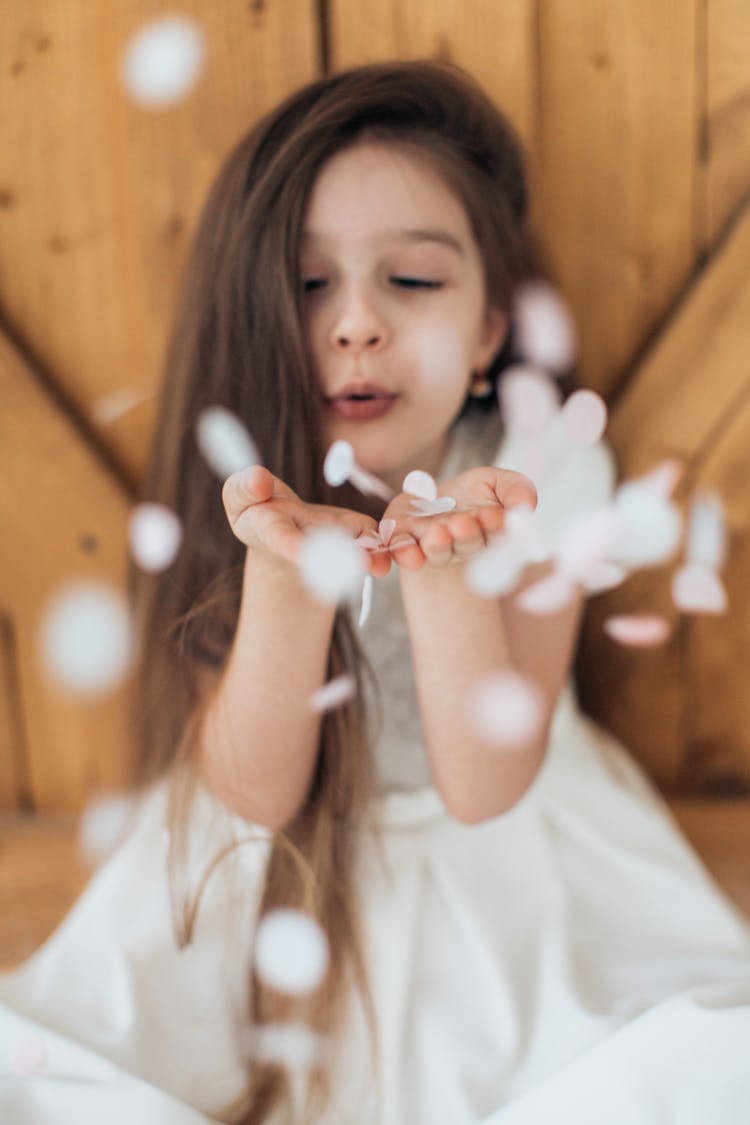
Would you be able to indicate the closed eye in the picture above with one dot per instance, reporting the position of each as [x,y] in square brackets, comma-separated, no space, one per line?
[405,282]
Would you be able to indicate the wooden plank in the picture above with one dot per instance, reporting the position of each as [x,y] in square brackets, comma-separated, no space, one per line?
[683,708]
[727,125]
[492,39]
[98,194]
[617,166]
[64,516]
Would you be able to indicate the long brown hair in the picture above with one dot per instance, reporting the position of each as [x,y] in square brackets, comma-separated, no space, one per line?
[238,342]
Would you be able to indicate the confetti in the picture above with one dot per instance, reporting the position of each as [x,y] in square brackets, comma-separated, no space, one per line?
[529,400]
[420,484]
[664,476]
[224,441]
[154,534]
[651,525]
[587,542]
[696,589]
[112,406]
[551,594]
[603,576]
[706,540]
[366,606]
[334,693]
[507,710]
[639,630]
[584,417]
[432,507]
[291,952]
[495,570]
[386,529]
[104,823]
[162,61]
[340,465]
[86,638]
[330,564]
[545,333]
[291,1045]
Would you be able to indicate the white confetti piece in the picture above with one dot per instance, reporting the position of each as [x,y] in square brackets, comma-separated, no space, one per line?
[29,1057]
[529,400]
[524,530]
[420,484]
[386,527]
[334,693]
[551,594]
[664,476]
[292,1045]
[86,638]
[706,540]
[104,823]
[507,710]
[291,952]
[432,507]
[587,542]
[638,630]
[584,417]
[340,465]
[495,570]
[651,525]
[162,61]
[603,576]
[545,332]
[366,606]
[112,406]
[224,441]
[330,564]
[696,589]
[154,534]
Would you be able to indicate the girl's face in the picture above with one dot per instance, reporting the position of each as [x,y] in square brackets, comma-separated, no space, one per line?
[394,296]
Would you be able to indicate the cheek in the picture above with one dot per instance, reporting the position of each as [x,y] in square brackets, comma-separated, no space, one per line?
[441,357]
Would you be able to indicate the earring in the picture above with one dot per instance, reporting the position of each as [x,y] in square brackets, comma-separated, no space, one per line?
[481,387]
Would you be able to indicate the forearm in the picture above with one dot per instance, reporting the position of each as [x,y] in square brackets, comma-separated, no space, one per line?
[457,640]
[259,737]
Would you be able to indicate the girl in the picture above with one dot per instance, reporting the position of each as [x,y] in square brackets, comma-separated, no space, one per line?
[512,936]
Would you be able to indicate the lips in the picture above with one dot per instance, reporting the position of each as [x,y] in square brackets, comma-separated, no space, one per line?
[361,391]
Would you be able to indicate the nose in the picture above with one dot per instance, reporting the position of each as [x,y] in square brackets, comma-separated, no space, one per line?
[357,327]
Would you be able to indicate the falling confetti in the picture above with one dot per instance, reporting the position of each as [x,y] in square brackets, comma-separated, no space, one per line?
[507,709]
[587,542]
[104,823]
[86,638]
[420,484]
[529,400]
[366,606]
[386,527]
[154,534]
[334,693]
[639,630]
[584,417]
[291,952]
[112,406]
[551,594]
[291,1045]
[706,539]
[224,441]
[650,525]
[432,507]
[697,589]
[545,333]
[162,61]
[495,570]
[340,465]
[331,565]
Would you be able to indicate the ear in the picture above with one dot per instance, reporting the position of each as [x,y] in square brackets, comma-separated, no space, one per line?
[494,331]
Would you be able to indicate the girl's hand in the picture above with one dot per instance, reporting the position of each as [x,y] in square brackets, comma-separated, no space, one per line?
[482,497]
[268,517]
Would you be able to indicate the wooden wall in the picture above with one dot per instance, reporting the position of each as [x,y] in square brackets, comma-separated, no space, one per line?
[636,118]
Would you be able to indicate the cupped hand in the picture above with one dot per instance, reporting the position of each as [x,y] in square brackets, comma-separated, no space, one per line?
[269,517]
[483,496]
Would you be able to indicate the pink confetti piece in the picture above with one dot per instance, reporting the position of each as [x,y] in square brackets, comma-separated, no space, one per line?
[706,541]
[588,541]
[529,400]
[340,465]
[436,507]
[664,477]
[333,694]
[154,535]
[507,710]
[551,594]
[370,542]
[584,417]
[29,1057]
[603,576]
[291,951]
[638,630]
[544,327]
[420,484]
[696,589]
[386,527]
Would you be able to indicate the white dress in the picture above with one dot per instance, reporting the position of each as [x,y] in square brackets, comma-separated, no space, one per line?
[570,961]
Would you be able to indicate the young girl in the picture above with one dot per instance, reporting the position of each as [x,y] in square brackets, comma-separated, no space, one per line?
[512,937]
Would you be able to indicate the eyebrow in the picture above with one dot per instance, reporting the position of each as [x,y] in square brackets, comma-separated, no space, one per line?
[420,235]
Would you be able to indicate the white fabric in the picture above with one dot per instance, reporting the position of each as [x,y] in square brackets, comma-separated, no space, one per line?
[570,961]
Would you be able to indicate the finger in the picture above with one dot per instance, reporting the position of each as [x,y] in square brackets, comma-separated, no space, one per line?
[513,489]
[437,544]
[407,552]
[468,535]
[247,487]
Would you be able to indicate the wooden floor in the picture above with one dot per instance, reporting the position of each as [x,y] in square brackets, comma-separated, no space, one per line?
[42,873]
